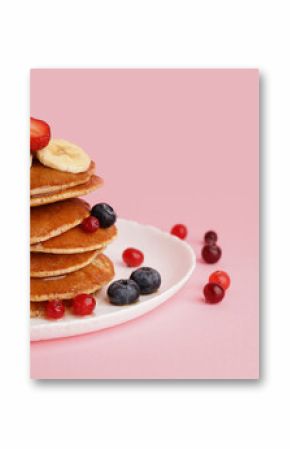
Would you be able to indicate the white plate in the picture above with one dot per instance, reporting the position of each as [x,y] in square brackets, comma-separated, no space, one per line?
[172,257]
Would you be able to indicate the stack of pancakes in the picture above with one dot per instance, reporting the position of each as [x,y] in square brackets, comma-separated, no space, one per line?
[64,259]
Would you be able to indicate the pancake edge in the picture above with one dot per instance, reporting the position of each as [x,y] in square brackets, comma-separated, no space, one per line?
[94,183]
[38,248]
[70,295]
[58,188]
[43,274]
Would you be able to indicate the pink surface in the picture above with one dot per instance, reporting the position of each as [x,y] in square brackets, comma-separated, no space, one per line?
[173,146]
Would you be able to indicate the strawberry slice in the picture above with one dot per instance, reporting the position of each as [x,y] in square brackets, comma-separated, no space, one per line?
[39,134]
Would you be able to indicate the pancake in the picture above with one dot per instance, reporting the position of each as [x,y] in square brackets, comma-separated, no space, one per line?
[53,219]
[43,265]
[72,192]
[37,309]
[47,180]
[86,280]
[76,241]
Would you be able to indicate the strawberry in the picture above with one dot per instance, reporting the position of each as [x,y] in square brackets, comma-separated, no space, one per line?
[39,134]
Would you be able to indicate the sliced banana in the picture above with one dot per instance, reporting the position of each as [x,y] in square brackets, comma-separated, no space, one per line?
[64,156]
[30,160]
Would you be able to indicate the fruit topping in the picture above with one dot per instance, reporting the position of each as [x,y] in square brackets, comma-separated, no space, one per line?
[64,156]
[221,278]
[39,134]
[54,309]
[133,257]
[210,237]
[90,224]
[83,304]
[179,230]
[213,293]
[123,292]
[148,279]
[105,214]
[211,253]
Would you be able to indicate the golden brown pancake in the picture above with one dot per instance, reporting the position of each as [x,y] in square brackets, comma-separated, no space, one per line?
[37,309]
[44,265]
[76,241]
[47,180]
[72,192]
[53,219]
[86,280]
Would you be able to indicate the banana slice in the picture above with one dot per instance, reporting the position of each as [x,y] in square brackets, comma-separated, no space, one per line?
[30,160]
[64,156]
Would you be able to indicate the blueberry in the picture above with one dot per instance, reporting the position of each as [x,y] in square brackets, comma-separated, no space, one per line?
[105,214]
[122,292]
[148,279]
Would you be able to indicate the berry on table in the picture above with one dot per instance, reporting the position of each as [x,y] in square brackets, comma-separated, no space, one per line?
[133,257]
[123,292]
[211,253]
[179,230]
[148,279]
[90,224]
[39,134]
[221,278]
[83,304]
[54,309]
[213,293]
[105,214]
[210,237]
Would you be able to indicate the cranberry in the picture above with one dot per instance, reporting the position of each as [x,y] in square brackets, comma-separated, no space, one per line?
[54,309]
[211,253]
[213,293]
[221,278]
[179,230]
[210,237]
[83,304]
[133,257]
[90,224]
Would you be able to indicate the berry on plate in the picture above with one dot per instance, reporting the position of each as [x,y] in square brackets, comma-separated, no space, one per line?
[105,214]
[83,304]
[54,309]
[90,224]
[211,253]
[39,134]
[123,292]
[210,237]
[148,279]
[179,230]
[213,293]
[133,257]
[221,278]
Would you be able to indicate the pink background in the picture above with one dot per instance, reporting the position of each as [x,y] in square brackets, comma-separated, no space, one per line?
[173,146]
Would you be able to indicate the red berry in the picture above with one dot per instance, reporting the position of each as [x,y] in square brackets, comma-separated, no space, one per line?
[210,237]
[54,309]
[211,253]
[39,134]
[83,304]
[90,224]
[179,230]
[221,278]
[213,293]
[133,257]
